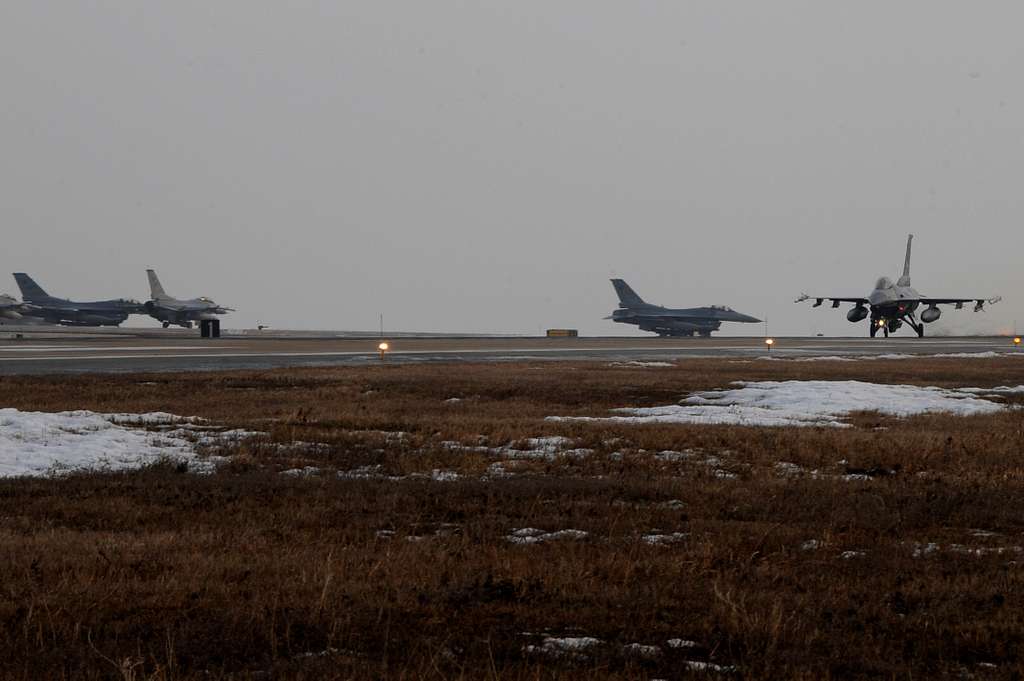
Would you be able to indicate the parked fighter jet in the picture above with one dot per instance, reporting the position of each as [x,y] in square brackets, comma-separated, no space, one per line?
[668,321]
[889,305]
[179,312]
[73,313]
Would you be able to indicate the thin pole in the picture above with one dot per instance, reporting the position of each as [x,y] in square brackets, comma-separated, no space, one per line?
[381,324]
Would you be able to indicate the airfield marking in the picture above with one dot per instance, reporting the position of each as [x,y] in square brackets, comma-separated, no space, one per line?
[59,348]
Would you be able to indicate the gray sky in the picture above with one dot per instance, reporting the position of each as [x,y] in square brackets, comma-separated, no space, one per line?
[481,166]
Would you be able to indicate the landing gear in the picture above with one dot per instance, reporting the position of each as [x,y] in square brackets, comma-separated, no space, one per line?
[166,324]
[889,326]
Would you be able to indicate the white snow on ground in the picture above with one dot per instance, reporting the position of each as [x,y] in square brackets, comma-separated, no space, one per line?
[998,390]
[42,443]
[547,448]
[659,539]
[549,443]
[641,650]
[696,666]
[801,403]
[572,646]
[531,535]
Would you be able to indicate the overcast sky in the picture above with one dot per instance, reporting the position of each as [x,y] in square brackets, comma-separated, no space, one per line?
[482,166]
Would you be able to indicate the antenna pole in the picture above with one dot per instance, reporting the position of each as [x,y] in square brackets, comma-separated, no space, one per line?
[381,324]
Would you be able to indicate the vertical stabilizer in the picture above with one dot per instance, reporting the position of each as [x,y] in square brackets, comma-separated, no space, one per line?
[30,290]
[156,289]
[627,296]
[905,279]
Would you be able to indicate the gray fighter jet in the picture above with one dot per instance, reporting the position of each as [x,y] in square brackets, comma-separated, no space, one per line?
[668,321]
[890,304]
[180,312]
[70,312]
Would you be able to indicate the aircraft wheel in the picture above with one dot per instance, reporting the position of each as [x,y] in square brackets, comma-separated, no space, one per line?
[166,324]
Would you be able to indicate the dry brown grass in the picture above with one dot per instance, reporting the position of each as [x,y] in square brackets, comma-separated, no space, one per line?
[248,573]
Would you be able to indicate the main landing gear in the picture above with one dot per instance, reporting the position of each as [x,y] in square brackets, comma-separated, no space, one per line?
[892,325]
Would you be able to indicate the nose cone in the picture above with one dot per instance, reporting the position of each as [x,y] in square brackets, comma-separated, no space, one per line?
[746,318]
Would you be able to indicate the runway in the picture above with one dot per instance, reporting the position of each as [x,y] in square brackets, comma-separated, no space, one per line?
[153,351]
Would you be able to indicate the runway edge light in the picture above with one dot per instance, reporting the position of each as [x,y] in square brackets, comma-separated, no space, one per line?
[769,342]
[383,347]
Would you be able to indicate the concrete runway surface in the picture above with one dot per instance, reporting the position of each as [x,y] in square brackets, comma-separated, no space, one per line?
[148,350]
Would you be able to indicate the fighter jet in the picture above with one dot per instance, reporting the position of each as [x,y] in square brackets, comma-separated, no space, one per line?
[890,304]
[70,312]
[179,312]
[671,322]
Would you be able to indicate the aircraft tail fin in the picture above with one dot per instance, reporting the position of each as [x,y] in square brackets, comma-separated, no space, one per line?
[30,290]
[156,289]
[627,296]
[906,263]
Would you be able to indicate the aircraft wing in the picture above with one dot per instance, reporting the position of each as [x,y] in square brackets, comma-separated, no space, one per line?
[979,303]
[818,300]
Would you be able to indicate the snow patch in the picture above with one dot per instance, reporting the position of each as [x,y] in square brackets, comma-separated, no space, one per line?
[45,443]
[801,403]
[658,539]
[641,650]
[571,646]
[531,535]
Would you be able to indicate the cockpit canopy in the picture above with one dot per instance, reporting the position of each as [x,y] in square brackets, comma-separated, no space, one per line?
[883,283]
[722,308]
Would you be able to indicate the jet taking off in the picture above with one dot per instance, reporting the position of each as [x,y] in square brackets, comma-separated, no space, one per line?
[179,312]
[668,321]
[892,304]
[70,312]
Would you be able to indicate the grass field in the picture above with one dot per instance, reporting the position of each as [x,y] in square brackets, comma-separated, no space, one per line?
[400,522]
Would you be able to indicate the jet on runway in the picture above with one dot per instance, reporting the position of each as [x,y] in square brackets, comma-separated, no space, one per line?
[182,313]
[73,313]
[890,304]
[668,321]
